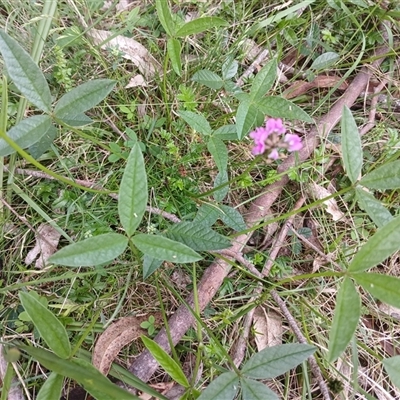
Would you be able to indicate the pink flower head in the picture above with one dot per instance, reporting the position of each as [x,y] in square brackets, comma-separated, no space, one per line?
[259,135]
[294,142]
[273,155]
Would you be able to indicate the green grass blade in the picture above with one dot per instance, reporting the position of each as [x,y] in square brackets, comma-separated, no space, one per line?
[351,146]
[95,250]
[48,325]
[26,75]
[345,320]
[132,198]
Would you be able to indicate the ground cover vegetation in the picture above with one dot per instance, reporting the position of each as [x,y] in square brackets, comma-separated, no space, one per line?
[199,199]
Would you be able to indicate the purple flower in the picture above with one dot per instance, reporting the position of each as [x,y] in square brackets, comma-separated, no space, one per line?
[259,135]
[274,155]
[294,142]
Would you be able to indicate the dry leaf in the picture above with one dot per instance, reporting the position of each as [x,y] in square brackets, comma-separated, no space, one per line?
[136,81]
[321,81]
[318,192]
[47,239]
[131,49]
[268,327]
[118,335]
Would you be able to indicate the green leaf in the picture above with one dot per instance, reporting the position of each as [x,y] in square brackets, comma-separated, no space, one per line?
[41,146]
[373,207]
[385,177]
[383,287]
[325,60]
[345,320]
[246,117]
[232,218]
[197,236]
[220,180]
[229,68]
[379,247]
[165,17]
[174,53]
[150,264]
[207,215]
[77,120]
[26,75]
[82,98]
[226,132]
[196,122]
[351,146]
[166,249]
[219,152]
[132,197]
[51,388]
[51,330]
[264,80]
[26,133]
[200,25]
[95,250]
[82,372]
[166,361]
[392,366]
[209,79]
[278,107]
[254,390]
[274,361]
[224,387]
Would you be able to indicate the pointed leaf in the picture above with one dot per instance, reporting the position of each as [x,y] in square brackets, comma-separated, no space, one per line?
[385,177]
[221,179]
[232,218]
[51,388]
[174,54]
[150,264]
[264,80]
[226,132]
[197,236]
[278,107]
[82,98]
[219,152]
[82,372]
[246,117]
[351,146]
[345,320]
[224,387]
[48,325]
[392,366]
[77,120]
[207,215]
[379,247]
[196,122]
[132,197]
[229,68]
[325,60]
[254,390]
[383,287]
[26,75]
[41,146]
[166,361]
[200,25]
[26,133]
[208,78]
[373,207]
[274,361]
[165,17]
[166,249]
[95,250]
